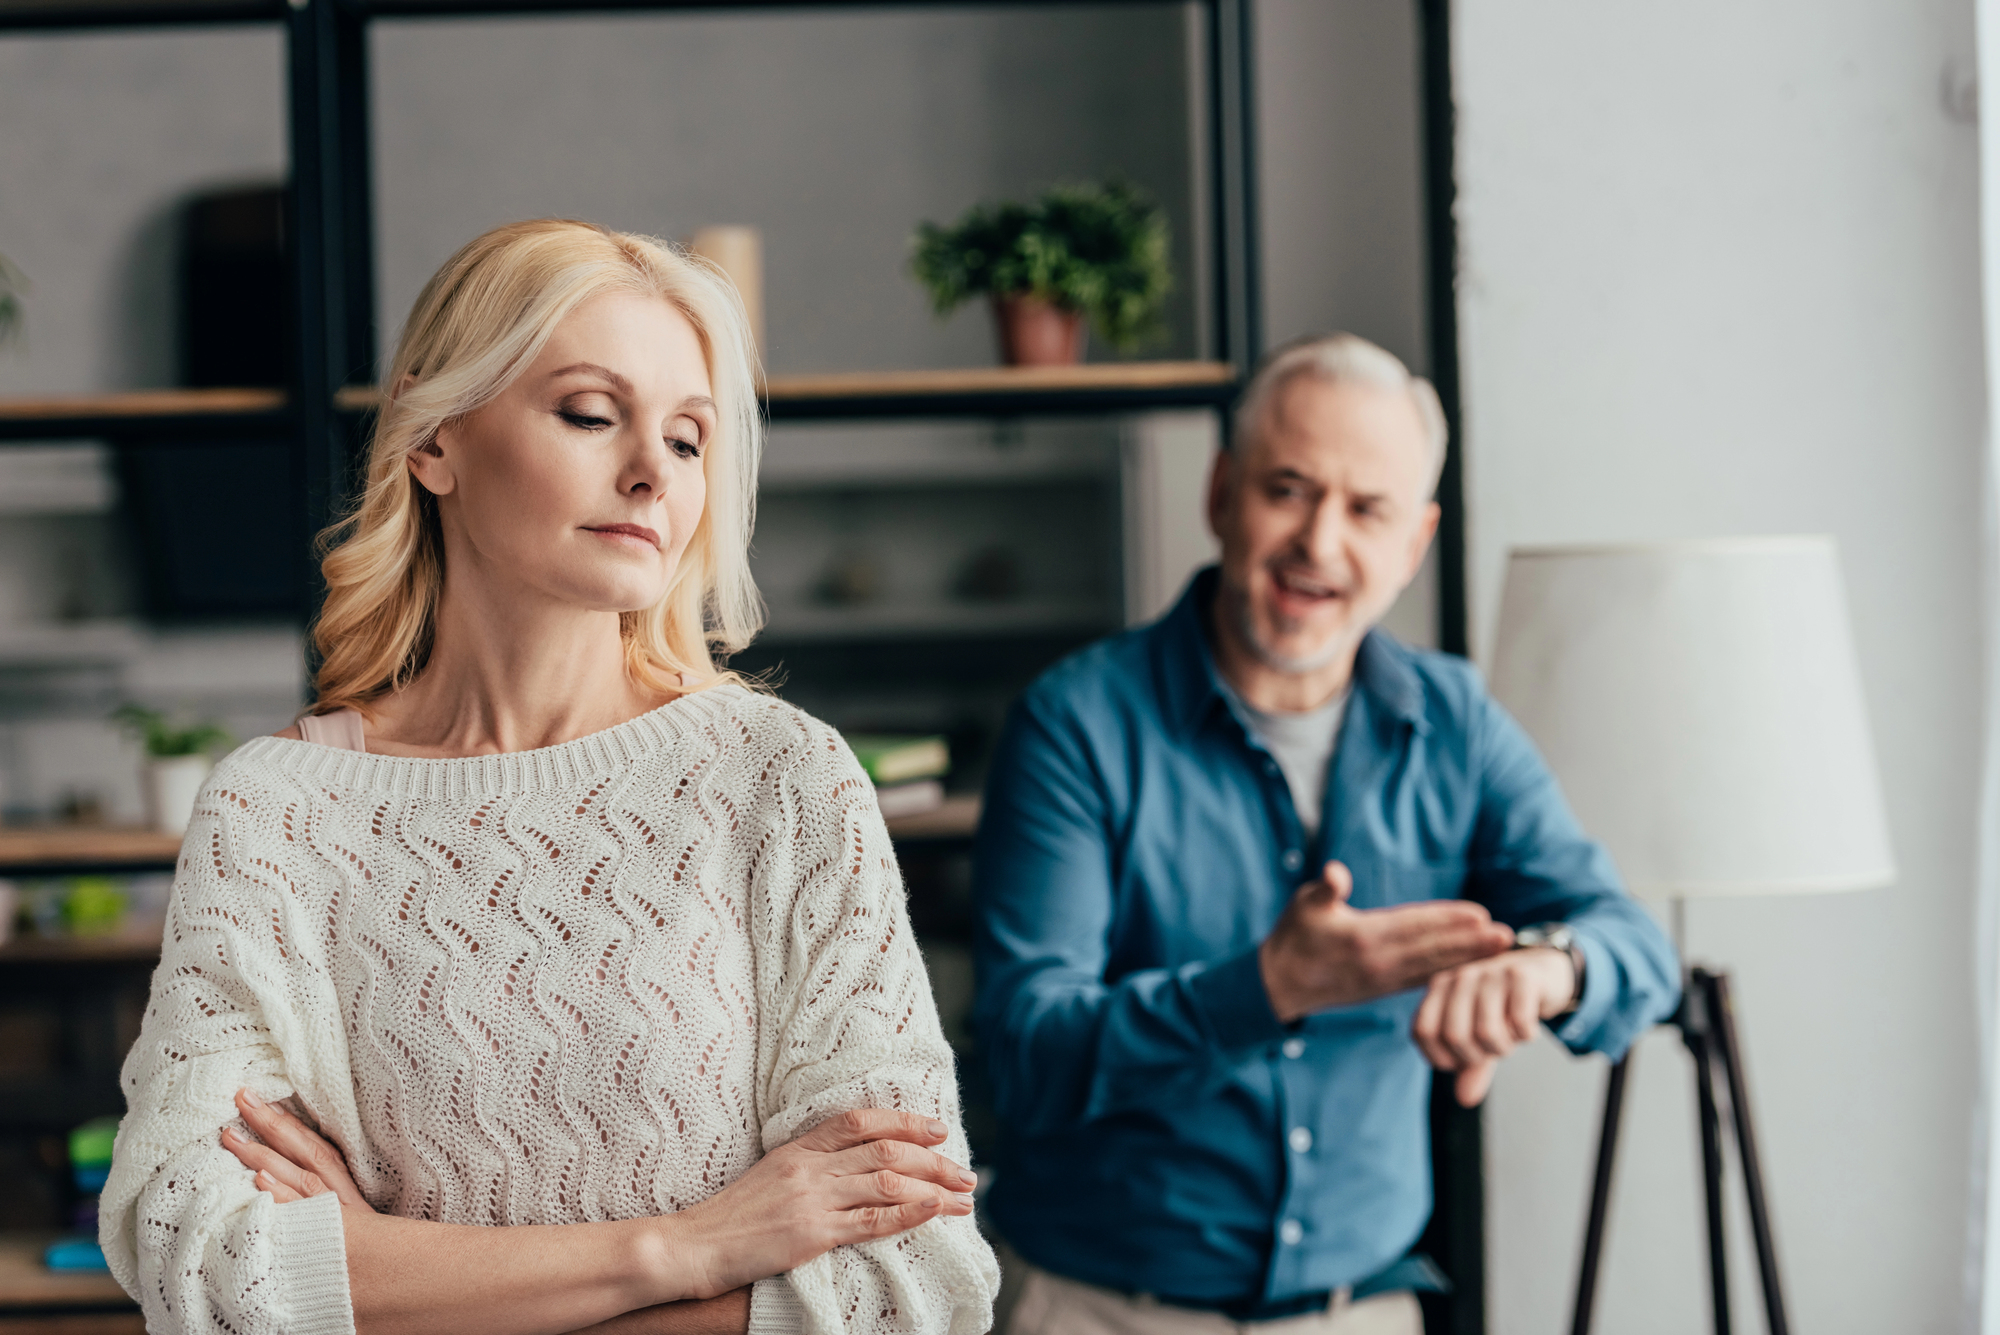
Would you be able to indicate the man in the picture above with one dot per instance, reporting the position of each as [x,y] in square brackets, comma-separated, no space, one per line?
[1245,874]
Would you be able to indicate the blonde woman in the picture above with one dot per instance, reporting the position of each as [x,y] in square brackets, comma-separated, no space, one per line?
[586,969]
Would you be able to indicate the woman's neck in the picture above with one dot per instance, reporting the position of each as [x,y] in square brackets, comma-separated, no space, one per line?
[511,673]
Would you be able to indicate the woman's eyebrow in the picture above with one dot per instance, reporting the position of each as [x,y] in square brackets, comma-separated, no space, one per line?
[697,401]
[618,381]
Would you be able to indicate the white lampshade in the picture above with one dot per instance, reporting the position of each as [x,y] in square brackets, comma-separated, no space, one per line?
[1700,703]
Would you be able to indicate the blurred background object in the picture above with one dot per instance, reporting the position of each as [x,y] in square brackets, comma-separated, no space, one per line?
[179,755]
[739,253]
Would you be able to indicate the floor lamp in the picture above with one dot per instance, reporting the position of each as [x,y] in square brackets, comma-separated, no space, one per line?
[1701,704]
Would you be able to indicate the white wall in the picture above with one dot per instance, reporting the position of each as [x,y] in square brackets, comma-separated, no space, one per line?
[1718,276]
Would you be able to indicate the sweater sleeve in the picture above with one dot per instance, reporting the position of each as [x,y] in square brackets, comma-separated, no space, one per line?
[849,1022]
[184,1230]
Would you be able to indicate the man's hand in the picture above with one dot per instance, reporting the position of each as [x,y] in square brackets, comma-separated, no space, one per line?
[1325,952]
[1478,1013]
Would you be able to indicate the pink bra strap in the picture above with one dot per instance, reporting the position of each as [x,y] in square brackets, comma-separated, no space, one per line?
[340,729]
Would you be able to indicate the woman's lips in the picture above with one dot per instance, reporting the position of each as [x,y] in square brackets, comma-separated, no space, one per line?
[639,531]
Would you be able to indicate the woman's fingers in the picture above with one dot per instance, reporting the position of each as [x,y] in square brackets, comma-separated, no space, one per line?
[905,1158]
[846,1130]
[860,1190]
[269,1164]
[303,1147]
[881,1221]
[283,1194]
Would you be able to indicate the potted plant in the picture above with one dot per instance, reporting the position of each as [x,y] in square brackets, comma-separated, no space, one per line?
[178,758]
[1077,253]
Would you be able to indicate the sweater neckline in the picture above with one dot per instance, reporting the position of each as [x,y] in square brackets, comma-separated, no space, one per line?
[564,765]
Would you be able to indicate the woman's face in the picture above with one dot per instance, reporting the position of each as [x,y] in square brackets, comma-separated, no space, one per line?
[583,481]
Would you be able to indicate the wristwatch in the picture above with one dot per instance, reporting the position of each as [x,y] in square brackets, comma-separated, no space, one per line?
[1556,936]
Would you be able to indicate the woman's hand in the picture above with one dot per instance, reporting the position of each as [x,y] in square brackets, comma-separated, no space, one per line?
[856,1176]
[294,1161]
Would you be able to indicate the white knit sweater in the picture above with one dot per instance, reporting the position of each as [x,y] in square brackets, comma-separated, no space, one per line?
[595,981]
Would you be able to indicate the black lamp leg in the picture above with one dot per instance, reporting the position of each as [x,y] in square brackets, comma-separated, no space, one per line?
[1694,1030]
[1722,1025]
[1600,1198]
[1707,1022]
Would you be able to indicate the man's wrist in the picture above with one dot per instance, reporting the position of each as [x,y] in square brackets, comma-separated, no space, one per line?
[1285,1003]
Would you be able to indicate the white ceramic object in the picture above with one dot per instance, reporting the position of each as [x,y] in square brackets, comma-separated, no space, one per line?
[172,784]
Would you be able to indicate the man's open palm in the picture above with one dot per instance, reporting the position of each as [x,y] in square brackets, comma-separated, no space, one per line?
[1324,952]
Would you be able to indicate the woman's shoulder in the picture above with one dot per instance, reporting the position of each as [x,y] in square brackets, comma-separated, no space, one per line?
[777,735]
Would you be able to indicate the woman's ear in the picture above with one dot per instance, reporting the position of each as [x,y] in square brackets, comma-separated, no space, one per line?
[431,462]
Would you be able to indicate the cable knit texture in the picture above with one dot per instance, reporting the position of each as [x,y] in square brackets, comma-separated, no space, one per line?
[595,981]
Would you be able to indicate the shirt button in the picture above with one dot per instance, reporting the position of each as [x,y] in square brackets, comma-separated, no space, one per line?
[1290,1232]
[1295,1047]
[1294,859]
[1301,1140]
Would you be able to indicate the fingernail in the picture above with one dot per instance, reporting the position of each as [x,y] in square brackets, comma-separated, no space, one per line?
[937,1128]
[228,1134]
[251,1099]
[968,1178]
[965,1199]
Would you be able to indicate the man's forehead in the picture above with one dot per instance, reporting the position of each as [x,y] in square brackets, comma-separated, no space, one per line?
[1342,429]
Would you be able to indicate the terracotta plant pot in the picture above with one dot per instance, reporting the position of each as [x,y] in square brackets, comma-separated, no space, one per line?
[1034,332]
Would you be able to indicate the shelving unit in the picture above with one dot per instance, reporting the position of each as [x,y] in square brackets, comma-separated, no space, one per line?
[319,418]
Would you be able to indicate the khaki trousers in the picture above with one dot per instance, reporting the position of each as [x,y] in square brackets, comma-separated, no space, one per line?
[1051,1305]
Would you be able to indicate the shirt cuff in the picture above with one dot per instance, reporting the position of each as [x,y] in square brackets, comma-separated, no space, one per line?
[312,1265]
[1231,999]
[775,1309]
[1600,992]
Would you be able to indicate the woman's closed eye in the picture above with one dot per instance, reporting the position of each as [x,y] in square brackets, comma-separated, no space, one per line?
[583,421]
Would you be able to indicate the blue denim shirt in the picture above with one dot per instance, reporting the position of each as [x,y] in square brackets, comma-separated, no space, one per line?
[1162,1132]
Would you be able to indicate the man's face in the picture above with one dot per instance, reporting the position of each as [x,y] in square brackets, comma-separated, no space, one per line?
[1324,517]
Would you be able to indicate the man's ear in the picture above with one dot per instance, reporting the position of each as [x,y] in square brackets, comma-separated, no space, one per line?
[1221,491]
[1427,528]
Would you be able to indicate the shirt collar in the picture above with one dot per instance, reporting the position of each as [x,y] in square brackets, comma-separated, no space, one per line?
[1193,688]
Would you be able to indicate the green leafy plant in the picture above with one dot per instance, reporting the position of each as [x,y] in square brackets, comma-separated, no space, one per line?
[165,738]
[13,291]
[1101,250]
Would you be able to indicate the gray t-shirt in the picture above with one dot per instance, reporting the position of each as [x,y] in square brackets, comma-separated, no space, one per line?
[1302,744]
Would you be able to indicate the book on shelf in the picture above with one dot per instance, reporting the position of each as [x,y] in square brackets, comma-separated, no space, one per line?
[893,759]
[914,798]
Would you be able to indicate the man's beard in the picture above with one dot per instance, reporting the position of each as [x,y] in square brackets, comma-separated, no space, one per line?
[1245,621]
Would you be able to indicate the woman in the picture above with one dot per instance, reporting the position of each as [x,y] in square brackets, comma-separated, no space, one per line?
[542,920]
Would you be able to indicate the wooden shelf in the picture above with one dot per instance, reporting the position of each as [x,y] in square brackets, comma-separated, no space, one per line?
[56,849]
[1000,379]
[147,412]
[26,1282]
[980,391]
[136,941]
[958,818]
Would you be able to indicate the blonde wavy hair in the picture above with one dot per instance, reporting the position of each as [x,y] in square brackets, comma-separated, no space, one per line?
[477,325]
